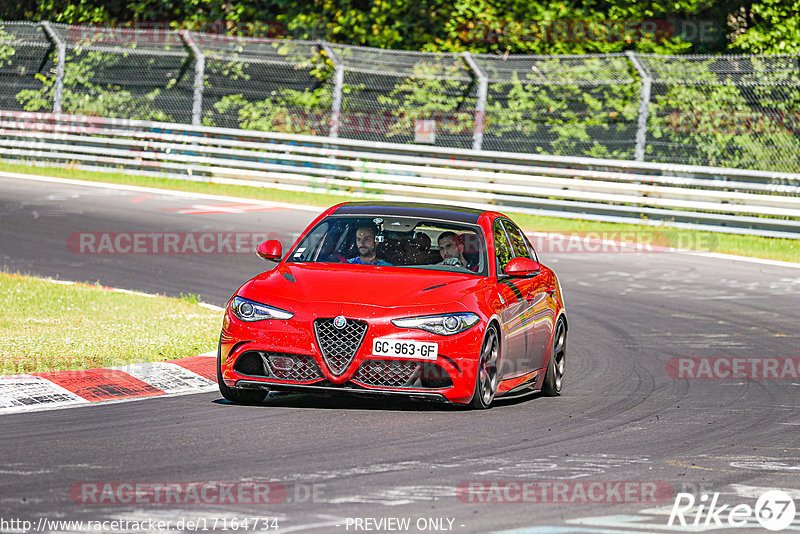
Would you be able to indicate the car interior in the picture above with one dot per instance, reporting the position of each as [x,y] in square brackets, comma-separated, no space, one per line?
[401,242]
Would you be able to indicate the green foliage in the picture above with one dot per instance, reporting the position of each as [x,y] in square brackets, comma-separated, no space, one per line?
[287,110]
[66,11]
[690,117]
[516,26]
[767,27]
[427,94]
[592,26]
[382,23]
[82,94]
[710,122]
[191,298]
[284,109]
[564,117]
[6,50]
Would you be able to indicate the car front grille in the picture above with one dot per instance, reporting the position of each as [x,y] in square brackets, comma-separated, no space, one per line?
[278,365]
[388,373]
[339,345]
[402,373]
[291,366]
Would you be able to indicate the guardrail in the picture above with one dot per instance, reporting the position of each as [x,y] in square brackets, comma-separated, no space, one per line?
[704,198]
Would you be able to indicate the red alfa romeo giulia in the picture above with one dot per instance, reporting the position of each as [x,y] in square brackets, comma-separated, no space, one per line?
[419,300]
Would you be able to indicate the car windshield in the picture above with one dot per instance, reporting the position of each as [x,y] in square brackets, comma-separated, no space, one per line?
[394,241]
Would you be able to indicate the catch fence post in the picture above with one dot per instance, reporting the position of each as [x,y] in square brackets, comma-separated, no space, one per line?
[199,75]
[480,105]
[61,47]
[338,83]
[644,103]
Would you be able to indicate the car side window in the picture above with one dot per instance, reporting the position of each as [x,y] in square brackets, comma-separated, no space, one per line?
[534,255]
[314,243]
[517,239]
[502,248]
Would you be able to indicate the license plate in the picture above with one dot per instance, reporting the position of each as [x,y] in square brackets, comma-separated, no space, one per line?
[399,348]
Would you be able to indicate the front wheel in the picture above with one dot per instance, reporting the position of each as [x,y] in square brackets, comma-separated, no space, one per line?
[237,396]
[487,376]
[558,356]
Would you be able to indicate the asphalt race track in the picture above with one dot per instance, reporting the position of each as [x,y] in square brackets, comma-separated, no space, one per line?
[354,465]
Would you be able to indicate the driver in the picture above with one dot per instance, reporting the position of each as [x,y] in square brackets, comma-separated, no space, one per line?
[365,241]
[451,248]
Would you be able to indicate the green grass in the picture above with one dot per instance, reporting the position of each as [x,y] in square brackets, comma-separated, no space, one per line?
[741,245]
[45,326]
[759,247]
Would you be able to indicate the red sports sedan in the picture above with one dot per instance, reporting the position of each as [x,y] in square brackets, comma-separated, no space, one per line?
[430,301]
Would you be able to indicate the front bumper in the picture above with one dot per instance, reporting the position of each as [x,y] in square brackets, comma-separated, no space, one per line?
[316,388]
[256,356]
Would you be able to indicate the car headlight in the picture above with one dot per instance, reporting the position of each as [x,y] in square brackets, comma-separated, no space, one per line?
[445,325]
[249,310]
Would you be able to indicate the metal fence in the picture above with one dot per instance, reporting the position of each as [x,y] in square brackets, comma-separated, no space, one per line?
[705,198]
[727,111]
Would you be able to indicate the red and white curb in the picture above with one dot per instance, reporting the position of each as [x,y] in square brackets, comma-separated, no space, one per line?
[62,389]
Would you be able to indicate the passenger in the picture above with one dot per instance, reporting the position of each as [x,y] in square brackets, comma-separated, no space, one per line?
[418,249]
[451,248]
[365,241]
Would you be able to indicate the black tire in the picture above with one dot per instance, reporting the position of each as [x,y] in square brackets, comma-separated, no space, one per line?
[554,378]
[487,376]
[237,396]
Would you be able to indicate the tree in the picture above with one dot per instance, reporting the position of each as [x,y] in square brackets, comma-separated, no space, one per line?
[767,27]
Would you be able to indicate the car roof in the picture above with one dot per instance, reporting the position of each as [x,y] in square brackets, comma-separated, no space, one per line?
[412,209]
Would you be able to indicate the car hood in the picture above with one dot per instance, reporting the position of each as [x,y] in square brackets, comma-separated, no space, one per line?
[383,287]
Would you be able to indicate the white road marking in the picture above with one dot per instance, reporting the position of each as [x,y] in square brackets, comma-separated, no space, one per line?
[334,521]
[156,191]
[398,495]
[754,492]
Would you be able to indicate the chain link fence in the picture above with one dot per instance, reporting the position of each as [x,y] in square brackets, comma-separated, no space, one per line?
[261,84]
[398,96]
[730,111]
[563,105]
[25,51]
